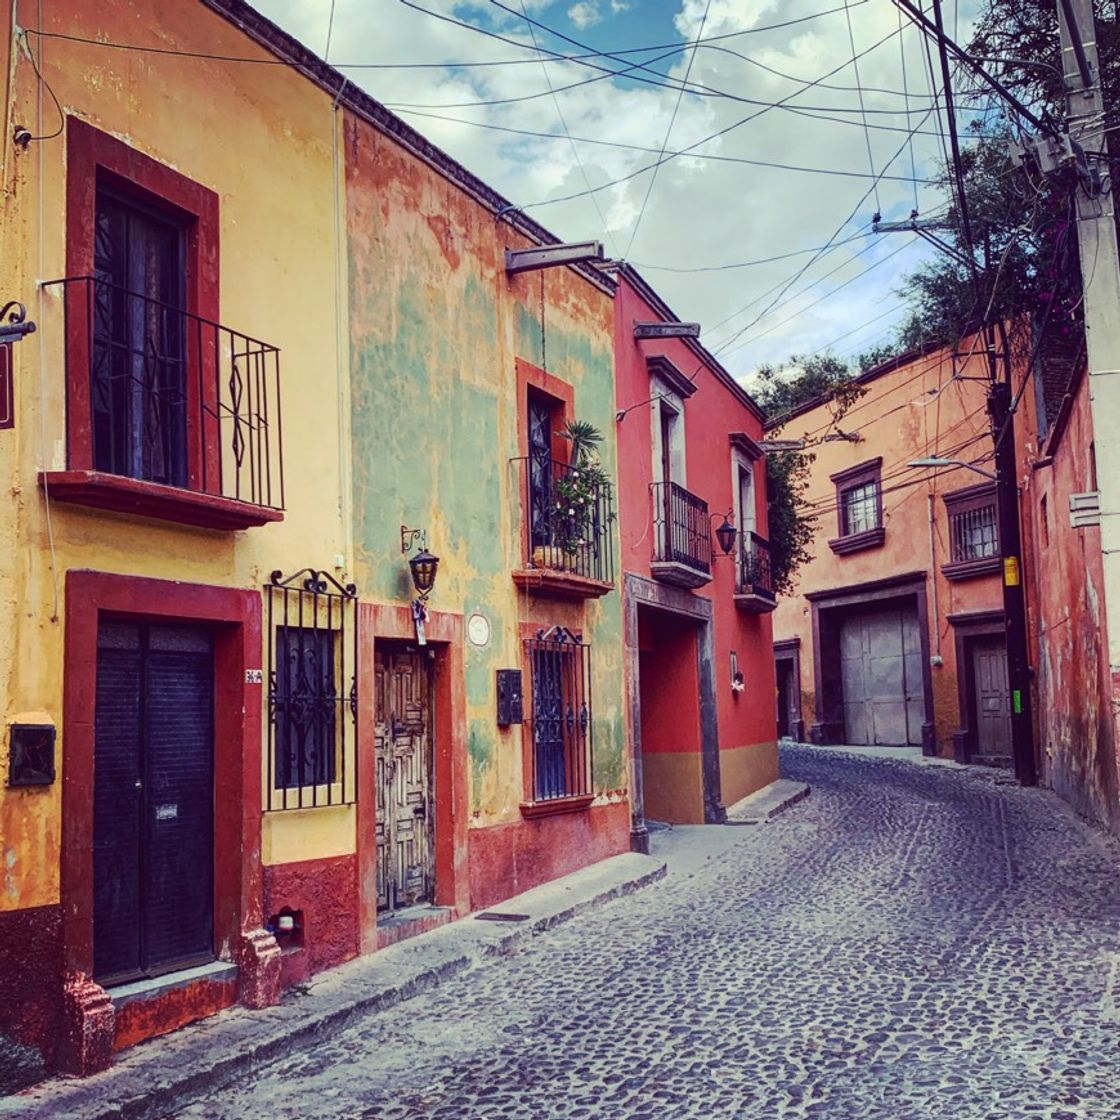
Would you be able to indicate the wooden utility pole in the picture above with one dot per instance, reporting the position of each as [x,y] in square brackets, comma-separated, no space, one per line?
[1100,277]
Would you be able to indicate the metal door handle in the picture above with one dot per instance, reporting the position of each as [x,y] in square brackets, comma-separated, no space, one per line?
[138,784]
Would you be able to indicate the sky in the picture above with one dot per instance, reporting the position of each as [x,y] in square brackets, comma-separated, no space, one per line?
[703,226]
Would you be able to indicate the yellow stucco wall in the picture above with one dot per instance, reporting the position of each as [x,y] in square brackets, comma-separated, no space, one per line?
[261,137]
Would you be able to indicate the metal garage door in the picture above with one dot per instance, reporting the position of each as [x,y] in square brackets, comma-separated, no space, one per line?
[881,674]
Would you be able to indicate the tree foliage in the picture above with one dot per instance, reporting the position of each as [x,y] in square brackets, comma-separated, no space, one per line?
[791,527]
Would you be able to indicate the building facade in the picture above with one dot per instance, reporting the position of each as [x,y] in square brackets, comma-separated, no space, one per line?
[1075,724]
[895,635]
[698,632]
[273,374]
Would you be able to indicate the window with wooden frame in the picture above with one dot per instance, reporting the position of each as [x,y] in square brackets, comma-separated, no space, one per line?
[560,718]
[859,507]
[973,532]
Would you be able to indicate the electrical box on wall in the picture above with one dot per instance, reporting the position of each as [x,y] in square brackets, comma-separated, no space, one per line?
[510,705]
[31,757]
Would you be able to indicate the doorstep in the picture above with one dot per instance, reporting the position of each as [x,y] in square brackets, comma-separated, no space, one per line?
[150,987]
[156,1079]
[398,925]
[767,802]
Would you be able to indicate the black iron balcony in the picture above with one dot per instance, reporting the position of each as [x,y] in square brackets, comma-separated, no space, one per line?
[567,534]
[169,414]
[682,536]
[754,584]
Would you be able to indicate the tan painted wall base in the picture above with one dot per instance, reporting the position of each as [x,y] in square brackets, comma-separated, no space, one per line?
[674,791]
[744,770]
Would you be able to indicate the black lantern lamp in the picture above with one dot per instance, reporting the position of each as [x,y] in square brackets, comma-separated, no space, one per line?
[423,567]
[726,534]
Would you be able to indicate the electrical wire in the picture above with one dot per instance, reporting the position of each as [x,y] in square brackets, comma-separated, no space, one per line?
[44,84]
[668,133]
[624,147]
[862,107]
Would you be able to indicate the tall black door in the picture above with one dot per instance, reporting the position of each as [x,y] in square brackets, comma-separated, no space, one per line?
[153,814]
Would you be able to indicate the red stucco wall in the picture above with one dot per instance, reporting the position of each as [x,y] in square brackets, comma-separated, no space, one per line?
[1074,726]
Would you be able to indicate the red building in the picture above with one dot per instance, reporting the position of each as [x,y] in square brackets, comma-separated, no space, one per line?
[700,673]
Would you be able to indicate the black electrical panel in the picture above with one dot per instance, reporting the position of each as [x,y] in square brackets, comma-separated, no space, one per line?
[510,706]
[31,757]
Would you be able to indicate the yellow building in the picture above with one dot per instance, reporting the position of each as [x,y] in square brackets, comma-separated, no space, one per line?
[275,329]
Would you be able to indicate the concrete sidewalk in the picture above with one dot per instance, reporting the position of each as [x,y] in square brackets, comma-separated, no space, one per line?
[153,1079]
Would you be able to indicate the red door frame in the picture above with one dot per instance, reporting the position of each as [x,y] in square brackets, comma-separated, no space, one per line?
[382,622]
[236,617]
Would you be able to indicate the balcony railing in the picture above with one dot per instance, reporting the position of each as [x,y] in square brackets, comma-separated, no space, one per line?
[682,535]
[159,395]
[568,517]
[754,584]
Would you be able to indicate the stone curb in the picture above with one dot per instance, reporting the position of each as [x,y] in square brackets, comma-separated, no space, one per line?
[153,1079]
[768,802]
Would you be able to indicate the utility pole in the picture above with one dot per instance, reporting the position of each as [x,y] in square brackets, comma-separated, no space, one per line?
[1007,486]
[1011,571]
[1100,277]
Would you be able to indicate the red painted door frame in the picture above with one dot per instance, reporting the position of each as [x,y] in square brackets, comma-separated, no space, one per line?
[236,617]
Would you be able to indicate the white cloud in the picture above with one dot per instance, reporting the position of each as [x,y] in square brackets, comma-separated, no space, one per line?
[703,211]
[585,14]
[620,6]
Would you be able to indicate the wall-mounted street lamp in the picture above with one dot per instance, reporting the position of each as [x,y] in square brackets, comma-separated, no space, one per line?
[725,533]
[934,462]
[423,565]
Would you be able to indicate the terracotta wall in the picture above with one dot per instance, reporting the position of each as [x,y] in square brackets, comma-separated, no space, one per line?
[1074,724]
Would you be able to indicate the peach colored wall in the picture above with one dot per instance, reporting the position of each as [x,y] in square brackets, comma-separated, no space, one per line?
[912,411]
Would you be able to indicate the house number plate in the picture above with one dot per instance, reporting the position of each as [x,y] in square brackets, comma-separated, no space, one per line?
[254,676]
[166,812]
[478,629]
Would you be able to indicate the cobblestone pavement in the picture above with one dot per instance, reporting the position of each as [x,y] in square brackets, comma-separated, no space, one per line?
[910,942]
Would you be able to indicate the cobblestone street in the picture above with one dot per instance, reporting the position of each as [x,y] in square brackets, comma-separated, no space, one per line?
[911,941]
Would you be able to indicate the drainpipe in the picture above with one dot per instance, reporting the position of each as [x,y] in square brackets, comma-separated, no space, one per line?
[936,660]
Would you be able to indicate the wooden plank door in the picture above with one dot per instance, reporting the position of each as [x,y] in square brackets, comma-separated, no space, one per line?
[153,833]
[403,769]
[992,700]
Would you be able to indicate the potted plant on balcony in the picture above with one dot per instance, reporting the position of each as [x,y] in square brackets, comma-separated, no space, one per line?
[577,495]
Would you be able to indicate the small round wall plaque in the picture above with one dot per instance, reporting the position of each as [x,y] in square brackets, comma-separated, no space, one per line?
[478,629]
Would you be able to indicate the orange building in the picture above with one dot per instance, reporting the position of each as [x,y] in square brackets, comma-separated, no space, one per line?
[895,635]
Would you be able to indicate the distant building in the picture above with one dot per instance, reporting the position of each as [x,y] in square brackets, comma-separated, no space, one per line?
[895,634]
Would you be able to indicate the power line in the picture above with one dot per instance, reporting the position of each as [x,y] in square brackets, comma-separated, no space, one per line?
[863,111]
[668,133]
[622,146]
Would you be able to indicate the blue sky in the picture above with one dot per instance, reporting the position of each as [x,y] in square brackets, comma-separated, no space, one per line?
[755,182]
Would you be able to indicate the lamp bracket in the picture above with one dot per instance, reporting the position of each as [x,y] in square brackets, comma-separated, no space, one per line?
[412,537]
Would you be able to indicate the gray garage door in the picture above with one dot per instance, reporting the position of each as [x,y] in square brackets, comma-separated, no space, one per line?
[881,673]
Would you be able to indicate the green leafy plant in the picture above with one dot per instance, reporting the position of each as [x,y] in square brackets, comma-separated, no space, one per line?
[577,493]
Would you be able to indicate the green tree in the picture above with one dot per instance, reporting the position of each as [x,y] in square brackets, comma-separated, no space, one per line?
[791,526]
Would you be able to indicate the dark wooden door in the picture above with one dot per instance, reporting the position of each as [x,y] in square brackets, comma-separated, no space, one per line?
[540,470]
[785,689]
[992,700]
[403,774]
[153,828]
[138,367]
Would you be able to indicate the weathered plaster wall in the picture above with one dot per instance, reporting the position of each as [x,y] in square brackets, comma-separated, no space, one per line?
[1074,724]
[436,328]
[747,721]
[915,410]
[260,138]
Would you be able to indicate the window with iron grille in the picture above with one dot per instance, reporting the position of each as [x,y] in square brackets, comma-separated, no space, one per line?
[973,531]
[560,671]
[312,691]
[859,506]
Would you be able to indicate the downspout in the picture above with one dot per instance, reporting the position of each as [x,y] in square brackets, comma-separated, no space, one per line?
[936,659]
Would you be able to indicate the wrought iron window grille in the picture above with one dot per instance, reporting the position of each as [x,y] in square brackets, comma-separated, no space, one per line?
[312,691]
[561,716]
